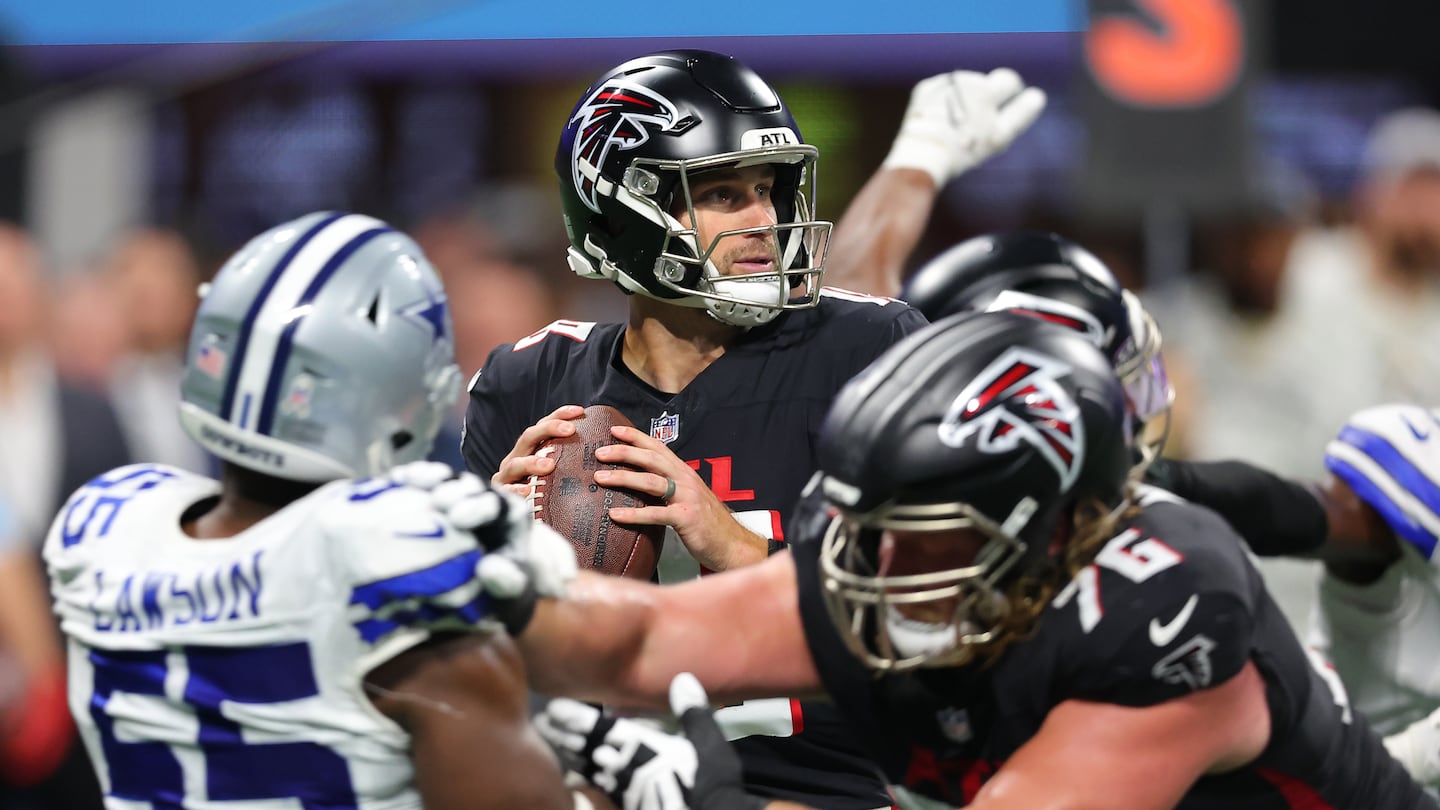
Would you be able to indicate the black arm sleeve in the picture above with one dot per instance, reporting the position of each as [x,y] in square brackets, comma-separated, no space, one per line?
[1276,516]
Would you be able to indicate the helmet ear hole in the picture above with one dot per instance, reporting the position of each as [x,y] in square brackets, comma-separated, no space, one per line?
[400,438]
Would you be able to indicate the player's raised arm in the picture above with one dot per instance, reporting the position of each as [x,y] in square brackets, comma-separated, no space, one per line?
[954,122]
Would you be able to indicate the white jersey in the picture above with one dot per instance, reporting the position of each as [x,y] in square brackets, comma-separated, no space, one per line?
[1384,641]
[226,674]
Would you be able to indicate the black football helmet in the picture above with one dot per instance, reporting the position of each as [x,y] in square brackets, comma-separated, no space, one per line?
[1050,277]
[626,161]
[991,422]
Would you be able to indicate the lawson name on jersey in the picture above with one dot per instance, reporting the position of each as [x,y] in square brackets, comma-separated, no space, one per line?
[155,599]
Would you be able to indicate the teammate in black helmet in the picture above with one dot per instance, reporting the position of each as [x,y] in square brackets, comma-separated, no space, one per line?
[1007,619]
[1050,277]
[1357,520]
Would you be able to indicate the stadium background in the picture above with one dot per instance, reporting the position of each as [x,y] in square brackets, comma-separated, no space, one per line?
[1266,173]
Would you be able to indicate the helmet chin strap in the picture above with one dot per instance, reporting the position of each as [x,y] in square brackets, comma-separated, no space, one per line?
[762,299]
[911,638]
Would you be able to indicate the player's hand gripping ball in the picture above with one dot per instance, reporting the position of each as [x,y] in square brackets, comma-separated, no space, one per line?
[570,501]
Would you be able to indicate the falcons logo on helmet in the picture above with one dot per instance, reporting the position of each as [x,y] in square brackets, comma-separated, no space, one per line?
[618,115]
[1018,398]
[1048,309]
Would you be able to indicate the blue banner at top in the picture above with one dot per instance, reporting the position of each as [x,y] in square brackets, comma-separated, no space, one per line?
[143,22]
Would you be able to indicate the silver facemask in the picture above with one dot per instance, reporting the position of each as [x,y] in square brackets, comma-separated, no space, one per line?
[868,609]
[1147,385]
[799,245]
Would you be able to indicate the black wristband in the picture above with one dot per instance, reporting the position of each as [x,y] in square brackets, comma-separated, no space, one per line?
[515,613]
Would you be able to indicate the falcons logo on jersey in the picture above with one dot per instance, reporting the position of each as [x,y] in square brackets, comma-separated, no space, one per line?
[618,115]
[1018,398]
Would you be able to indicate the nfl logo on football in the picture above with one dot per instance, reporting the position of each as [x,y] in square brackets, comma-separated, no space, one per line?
[665,427]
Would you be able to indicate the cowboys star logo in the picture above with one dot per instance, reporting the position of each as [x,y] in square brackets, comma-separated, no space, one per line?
[618,115]
[1018,398]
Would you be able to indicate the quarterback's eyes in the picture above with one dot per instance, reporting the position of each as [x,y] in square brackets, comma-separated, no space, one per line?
[733,188]
[723,194]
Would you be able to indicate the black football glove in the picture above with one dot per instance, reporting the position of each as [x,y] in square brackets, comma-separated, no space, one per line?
[641,767]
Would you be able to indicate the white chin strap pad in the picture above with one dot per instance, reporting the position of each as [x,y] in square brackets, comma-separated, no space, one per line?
[762,299]
[914,638]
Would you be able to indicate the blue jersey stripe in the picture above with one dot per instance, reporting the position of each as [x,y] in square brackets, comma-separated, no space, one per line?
[440,578]
[286,344]
[425,616]
[242,340]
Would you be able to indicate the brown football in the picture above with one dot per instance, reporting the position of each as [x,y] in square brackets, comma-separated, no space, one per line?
[570,501]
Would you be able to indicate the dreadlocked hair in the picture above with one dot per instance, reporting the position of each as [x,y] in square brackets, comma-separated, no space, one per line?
[1094,523]
[1027,597]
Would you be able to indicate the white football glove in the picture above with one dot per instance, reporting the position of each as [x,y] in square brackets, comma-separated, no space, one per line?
[469,503]
[1390,456]
[1418,749]
[542,560]
[524,558]
[957,120]
[641,767]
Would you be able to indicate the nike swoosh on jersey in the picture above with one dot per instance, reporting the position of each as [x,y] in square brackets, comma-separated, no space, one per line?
[434,534]
[1163,634]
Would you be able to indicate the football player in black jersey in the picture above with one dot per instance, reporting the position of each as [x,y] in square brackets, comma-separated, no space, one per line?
[1382,651]
[1007,619]
[686,183]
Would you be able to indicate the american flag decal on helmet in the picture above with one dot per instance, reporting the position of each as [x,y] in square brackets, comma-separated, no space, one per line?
[1018,398]
[618,115]
[211,360]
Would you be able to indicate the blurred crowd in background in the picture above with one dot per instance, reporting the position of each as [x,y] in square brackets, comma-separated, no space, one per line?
[1313,295]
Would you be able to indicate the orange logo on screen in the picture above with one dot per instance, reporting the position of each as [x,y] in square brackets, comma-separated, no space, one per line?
[1191,58]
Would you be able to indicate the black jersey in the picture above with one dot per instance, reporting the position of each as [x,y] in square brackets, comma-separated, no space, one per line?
[749,425]
[1171,605]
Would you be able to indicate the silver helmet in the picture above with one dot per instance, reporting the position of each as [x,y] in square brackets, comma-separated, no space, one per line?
[323,349]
